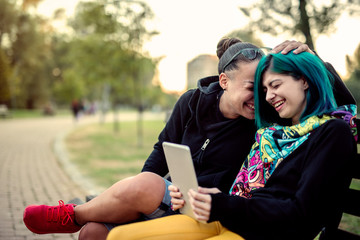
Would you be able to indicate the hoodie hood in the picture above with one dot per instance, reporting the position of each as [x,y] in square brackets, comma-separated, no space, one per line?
[209,85]
[203,98]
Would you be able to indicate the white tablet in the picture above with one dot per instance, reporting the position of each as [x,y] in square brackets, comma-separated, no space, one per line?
[182,172]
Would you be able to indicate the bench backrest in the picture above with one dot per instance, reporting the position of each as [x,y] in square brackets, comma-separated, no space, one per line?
[351,203]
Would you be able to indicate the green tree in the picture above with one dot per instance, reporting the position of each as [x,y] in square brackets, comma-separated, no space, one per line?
[110,37]
[106,53]
[64,87]
[8,18]
[306,18]
[4,79]
[23,40]
[30,54]
[353,67]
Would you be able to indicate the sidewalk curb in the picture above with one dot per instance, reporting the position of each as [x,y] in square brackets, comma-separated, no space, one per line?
[71,169]
[62,155]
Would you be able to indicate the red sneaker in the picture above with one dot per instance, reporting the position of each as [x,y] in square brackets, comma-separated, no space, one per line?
[42,219]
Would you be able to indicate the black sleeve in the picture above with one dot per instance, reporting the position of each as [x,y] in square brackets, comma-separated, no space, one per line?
[172,132]
[342,94]
[319,188]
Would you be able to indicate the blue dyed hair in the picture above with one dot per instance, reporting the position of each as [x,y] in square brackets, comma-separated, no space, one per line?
[319,96]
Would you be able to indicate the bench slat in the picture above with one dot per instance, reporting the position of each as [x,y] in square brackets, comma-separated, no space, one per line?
[352,202]
[356,167]
[342,234]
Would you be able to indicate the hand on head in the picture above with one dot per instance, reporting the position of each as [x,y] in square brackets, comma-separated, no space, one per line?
[288,45]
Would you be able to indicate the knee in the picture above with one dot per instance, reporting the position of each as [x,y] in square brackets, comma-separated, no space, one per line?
[93,231]
[150,188]
[143,184]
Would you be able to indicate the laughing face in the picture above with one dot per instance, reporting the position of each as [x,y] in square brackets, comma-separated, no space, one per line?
[238,97]
[286,94]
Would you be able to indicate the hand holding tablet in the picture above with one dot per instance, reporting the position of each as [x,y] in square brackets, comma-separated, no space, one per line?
[182,172]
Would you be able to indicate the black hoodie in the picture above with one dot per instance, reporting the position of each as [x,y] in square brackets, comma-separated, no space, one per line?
[196,119]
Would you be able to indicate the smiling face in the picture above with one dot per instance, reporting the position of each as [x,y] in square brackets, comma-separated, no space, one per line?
[286,94]
[238,97]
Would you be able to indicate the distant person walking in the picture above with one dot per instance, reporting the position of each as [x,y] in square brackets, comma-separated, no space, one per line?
[76,107]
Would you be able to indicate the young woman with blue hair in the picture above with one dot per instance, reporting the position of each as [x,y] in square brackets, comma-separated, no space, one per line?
[291,183]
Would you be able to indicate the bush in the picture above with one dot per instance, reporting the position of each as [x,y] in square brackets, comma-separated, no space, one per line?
[354,87]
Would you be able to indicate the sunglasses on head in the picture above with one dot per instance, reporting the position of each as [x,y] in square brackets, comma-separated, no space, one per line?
[249,53]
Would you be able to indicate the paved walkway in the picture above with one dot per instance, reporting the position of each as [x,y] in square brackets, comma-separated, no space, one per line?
[31,173]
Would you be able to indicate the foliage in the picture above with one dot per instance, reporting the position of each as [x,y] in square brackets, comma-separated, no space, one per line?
[354,87]
[22,37]
[101,53]
[4,79]
[306,18]
[104,59]
[8,18]
[105,53]
[353,65]
[65,86]
[30,53]
[92,18]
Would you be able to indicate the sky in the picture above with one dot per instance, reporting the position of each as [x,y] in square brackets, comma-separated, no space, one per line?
[189,28]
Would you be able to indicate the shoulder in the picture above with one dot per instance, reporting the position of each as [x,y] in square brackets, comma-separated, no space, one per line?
[337,124]
[187,101]
[331,141]
[187,95]
[336,129]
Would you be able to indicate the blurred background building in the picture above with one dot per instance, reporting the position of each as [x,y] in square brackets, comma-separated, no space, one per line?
[201,66]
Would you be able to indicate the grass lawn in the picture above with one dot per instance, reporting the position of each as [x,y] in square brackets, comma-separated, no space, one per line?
[107,157]
[35,113]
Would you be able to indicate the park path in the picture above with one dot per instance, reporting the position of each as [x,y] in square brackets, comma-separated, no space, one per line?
[31,173]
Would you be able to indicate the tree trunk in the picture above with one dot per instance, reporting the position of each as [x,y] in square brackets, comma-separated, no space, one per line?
[140,131]
[116,126]
[305,25]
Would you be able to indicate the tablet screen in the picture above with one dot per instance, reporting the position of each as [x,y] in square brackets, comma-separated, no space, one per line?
[182,172]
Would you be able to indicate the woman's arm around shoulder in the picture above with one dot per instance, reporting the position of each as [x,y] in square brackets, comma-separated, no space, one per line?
[342,94]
